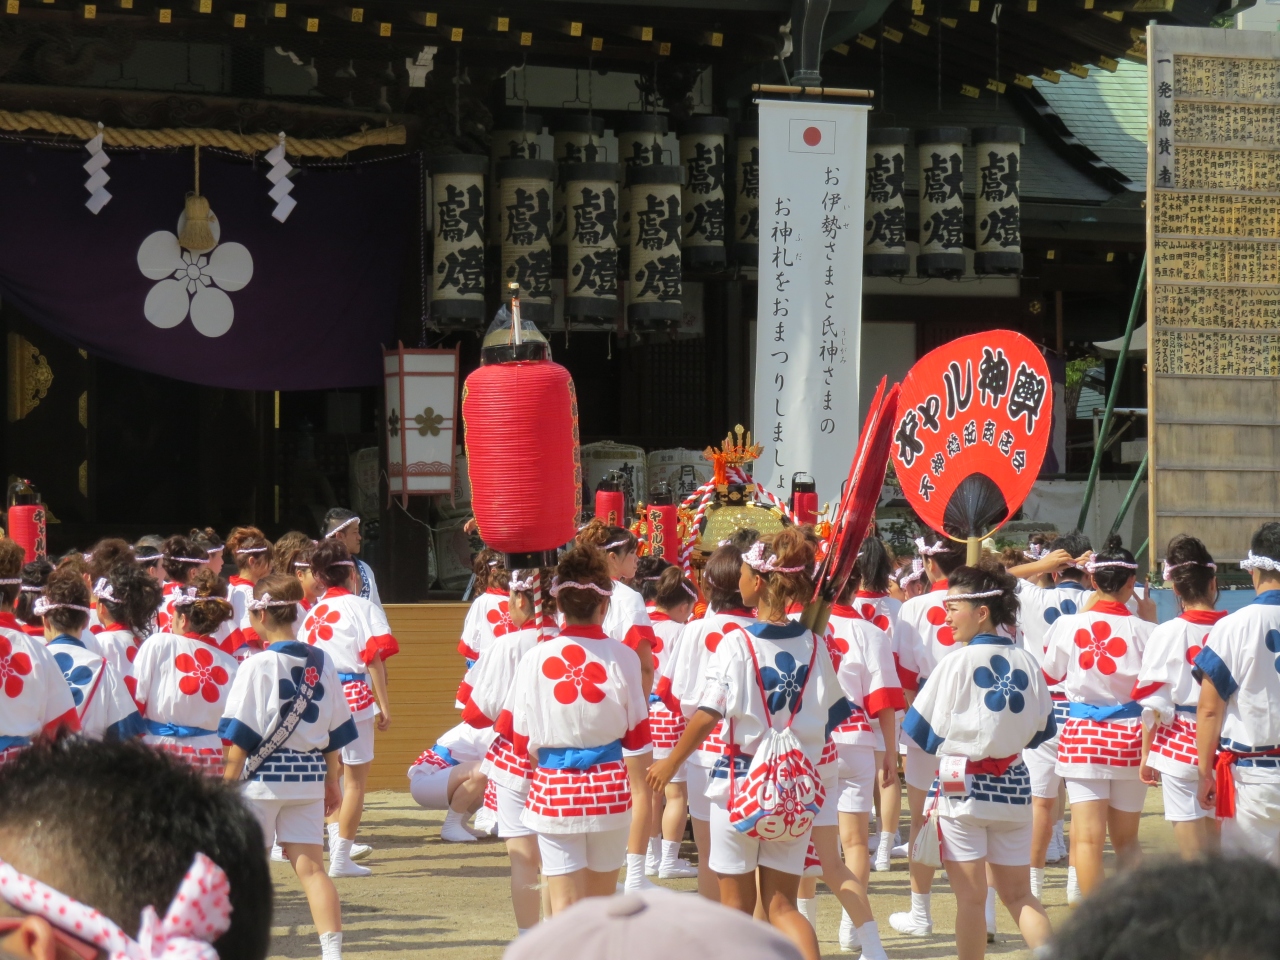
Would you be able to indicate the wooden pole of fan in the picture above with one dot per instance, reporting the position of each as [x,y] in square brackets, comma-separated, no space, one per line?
[974,553]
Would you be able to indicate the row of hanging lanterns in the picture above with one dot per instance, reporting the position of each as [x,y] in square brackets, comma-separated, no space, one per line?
[941,182]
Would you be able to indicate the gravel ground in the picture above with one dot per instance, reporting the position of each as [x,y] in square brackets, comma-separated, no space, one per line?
[449,901]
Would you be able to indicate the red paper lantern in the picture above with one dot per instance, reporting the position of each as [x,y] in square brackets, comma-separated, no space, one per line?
[611,507]
[27,528]
[521,422]
[664,539]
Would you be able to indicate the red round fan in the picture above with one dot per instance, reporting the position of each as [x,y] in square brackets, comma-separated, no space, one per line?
[973,423]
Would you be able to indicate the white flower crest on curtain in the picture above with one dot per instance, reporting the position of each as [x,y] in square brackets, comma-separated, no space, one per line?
[194,284]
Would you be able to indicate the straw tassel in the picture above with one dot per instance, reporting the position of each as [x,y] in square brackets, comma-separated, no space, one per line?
[197,235]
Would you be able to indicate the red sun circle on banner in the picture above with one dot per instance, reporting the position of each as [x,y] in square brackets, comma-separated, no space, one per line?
[812,136]
[974,420]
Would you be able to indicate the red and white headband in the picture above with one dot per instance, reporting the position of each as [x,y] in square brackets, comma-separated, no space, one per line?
[102,590]
[265,601]
[199,914]
[1255,562]
[186,596]
[1168,568]
[340,527]
[1036,550]
[754,558]
[557,586]
[925,550]
[915,573]
[44,605]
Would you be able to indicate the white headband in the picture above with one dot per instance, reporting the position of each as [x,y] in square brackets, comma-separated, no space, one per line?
[246,550]
[213,550]
[754,558]
[102,590]
[342,563]
[1255,562]
[265,601]
[973,596]
[523,586]
[10,581]
[615,544]
[31,588]
[44,605]
[925,550]
[916,572]
[1093,565]
[557,586]
[186,559]
[1035,551]
[684,585]
[301,565]
[187,596]
[342,526]
[1167,569]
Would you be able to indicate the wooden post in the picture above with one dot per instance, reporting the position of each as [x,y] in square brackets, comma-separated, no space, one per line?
[974,552]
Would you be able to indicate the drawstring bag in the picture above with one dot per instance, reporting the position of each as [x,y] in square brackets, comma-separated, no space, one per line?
[927,849]
[781,793]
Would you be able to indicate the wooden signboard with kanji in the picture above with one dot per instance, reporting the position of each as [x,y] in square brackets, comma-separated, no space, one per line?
[1213,287]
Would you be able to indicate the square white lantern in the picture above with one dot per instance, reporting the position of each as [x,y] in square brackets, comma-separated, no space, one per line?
[420,421]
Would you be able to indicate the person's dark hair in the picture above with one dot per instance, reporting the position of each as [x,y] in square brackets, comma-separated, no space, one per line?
[499,577]
[792,548]
[481,564]
[874,567]
[1194,580]
[587,565]
[989,575]
[1112,579]
[152,540]
[280,586]
[672,589]
[1266,542]
[1012,557]
[546,575]
[211,610]
[335,518]
[615,540]
[331,563]
[648,570]
[949,559]
[744,539]
[66,586]
[181,556]
[34,576]
[147,556]
[720,578]
[286,550]
[137,595]
[74,561]
[108,554]
[245,543]
[1217,908]
[116,826]
[1075,543]
[207,540]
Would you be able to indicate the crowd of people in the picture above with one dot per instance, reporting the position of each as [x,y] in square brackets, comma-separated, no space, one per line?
[606,705]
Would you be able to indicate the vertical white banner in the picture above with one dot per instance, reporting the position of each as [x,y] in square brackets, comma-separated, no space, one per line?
[809,320]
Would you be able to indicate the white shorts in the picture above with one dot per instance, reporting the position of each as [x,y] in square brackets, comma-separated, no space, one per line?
[1255,829]
[510,803]
[734,853]
[1180,801]
[829,814]
[697,779]
[289,821]
[1042,763]
[857,779]
[564,853]
[360,750]
[1128,796]
[1006,843]
[429,786]
[921,768]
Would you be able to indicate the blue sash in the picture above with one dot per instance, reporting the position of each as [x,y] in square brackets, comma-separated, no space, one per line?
[7,742]
[157,729]
[353,678]
[444,754]
[578,758]
[1087,711]
[1186,708]
[1267,598]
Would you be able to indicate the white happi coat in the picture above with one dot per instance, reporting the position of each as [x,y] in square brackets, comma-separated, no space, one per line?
[103,702]
[183,682]
[463,743]
[228,636]
[34,696]
[580,691]
[922,637]
[1096,657]
[666,720]
[878,608]
[1241,658]
[120,649]
[863,656]
[987,701]
[1169,691]
[263,692]
[239,593]
[685,675]
[488,686]
[488,617]
[627,619]
[353,632]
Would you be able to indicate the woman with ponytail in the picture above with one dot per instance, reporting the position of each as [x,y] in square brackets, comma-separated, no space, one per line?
[1096,656]
[127,600]
[1168,691]
[183,674]
[251,552]
[775,674]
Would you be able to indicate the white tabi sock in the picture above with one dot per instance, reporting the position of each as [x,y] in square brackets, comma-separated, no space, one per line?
[1073,886]
[635,872]
[654,856]
[808,907]
[670,854]
[921,911]
[333,833]
[331,946]
[990,910]
[869,937]
[1037,882]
